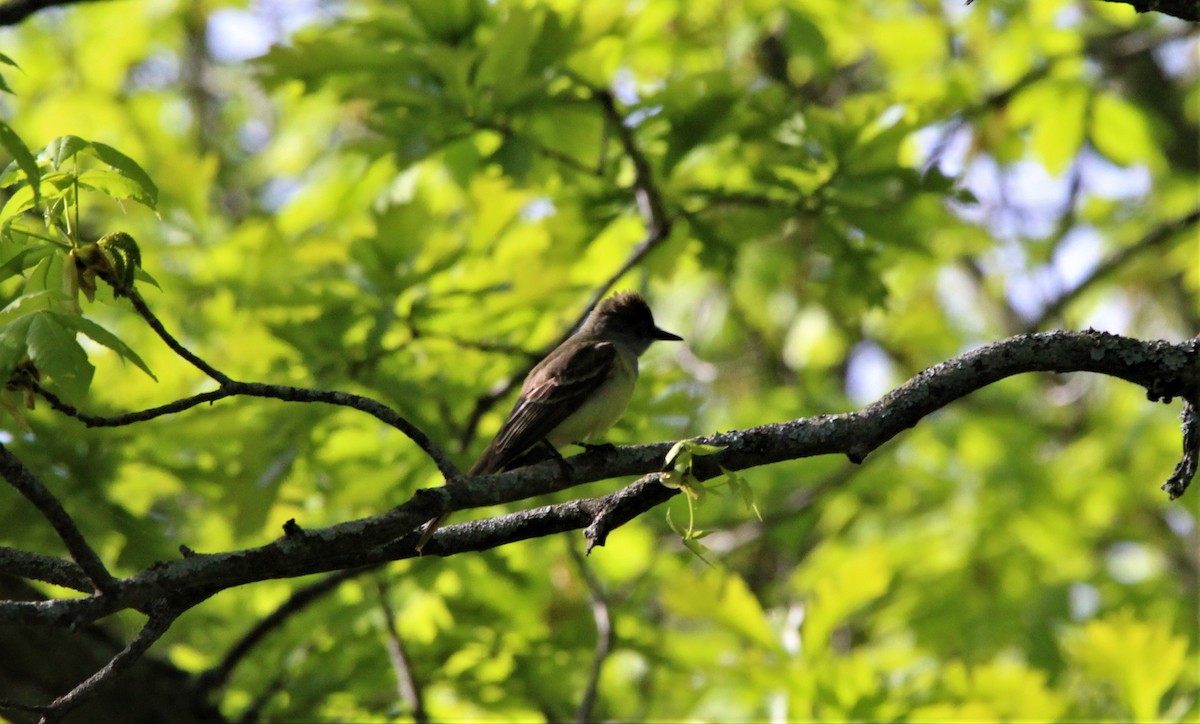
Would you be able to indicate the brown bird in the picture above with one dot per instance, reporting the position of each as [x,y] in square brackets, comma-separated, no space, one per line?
[577,392]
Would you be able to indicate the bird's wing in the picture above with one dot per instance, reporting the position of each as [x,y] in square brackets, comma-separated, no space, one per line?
[550,394]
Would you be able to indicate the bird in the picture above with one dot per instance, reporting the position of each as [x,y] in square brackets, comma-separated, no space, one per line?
[576,393]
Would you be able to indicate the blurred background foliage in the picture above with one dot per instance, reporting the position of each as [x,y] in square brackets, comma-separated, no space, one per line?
[411,200]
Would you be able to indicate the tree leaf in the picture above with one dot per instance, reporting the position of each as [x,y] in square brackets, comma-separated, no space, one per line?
[63,148]
[102,336]
[23,157]
[118,186]
[127,167]
[56,352]
[13,346]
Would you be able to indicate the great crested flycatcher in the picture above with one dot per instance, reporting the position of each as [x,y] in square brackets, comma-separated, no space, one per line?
[578,391]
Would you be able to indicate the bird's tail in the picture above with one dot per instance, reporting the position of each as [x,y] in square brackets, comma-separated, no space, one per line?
[485,465]
[428,530]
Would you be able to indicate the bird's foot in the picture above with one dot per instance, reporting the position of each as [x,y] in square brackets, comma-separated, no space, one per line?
[601,447]
[555,455]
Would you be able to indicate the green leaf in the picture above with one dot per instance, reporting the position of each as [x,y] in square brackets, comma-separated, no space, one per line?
[741,489]
[15,265]
[1056,112]
[24,199]
[1122,132]
[515,156]
[118,186]
[143,275]
[62,149]
[670,521]
[449,21]
[675,451]
[1141,659]
[27,304]
[23,157]
[56,352]
[680,454]
[507,56]
[102,336]
[46,276]
[698,549]
[697,107]
[130,169]
[13,345]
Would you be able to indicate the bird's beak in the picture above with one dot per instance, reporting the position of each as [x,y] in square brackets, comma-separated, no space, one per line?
[665,336]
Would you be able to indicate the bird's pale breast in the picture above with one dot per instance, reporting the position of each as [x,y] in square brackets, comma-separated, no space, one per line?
[603,408]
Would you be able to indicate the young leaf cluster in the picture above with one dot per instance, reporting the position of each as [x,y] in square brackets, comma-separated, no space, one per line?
[47,261]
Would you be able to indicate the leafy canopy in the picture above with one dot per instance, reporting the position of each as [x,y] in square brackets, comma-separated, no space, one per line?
[411,200]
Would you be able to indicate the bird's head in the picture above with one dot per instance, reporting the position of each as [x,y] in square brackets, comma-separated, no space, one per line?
[626,317]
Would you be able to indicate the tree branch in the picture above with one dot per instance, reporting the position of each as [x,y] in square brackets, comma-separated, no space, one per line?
[1185,471]
[406,681]
[14,11]
[26,564]
[18,476]
[300,599]
[1156,238]
[167,589]
[376,409]
[156,324]
[156,625]
[1184,9]
[1166,370]
[605,636]
[127,418]
[658,223]
[231,388]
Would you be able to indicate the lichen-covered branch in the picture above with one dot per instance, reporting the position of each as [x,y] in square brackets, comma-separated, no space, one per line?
[1183,9]
[18,476]
[1165,370]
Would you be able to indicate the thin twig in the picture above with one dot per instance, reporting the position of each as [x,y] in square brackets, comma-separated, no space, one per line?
[287,393]
[60,612]
[372,407]
[253,713]
[650,201]
[301,598]
[1185,470]
[564,159]
[26,564]
[992,101]
[1157,237]
[1183,9]
[653,209]
[17,475]
[406,680]
[230,388]
[19,706]
[128,418]
[605,634]
[14,11]
[139,304]
[156,625]
[649,198]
